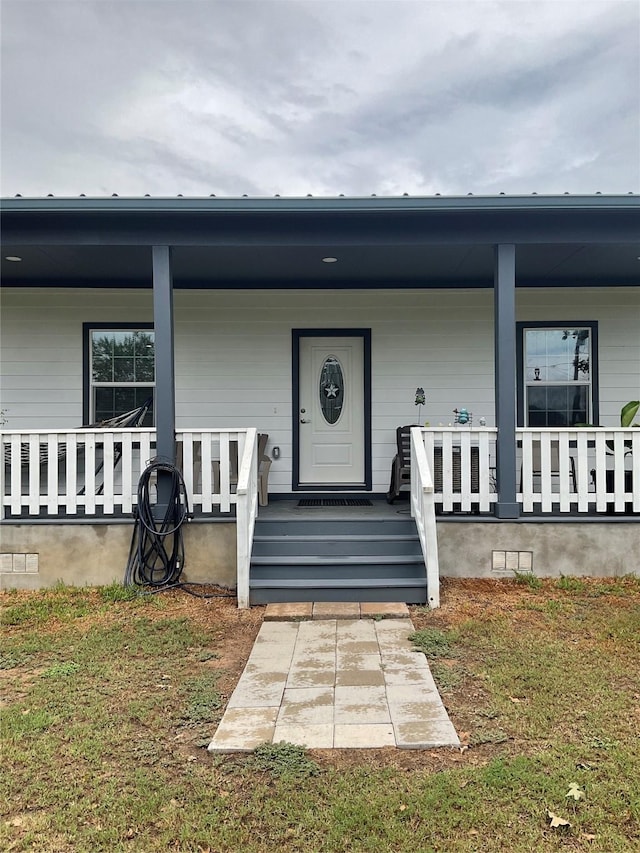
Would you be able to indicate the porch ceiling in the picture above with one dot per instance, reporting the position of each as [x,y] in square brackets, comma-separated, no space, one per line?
[281,243]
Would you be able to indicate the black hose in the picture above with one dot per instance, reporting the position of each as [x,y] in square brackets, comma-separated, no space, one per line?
[156,555]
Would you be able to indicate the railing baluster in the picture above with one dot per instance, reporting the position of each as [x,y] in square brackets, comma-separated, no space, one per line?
[618,476]
[564,466]
[71,471]
[600,472]
[225,488]
[465,470]
[107,471]
[545,472]
[89,474]
[187,464]
[526,477]
[206,472]
[447,472]
[126,466]
[16,475]
[52,474]
[34,475]
[582,470]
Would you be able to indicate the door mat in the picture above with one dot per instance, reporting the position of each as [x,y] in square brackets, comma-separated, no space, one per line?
[334,502]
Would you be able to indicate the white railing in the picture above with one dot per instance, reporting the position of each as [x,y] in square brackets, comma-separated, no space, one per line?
[96,471]
[424,512]
[585,470]
[82,471]
[210,461]
[462,460]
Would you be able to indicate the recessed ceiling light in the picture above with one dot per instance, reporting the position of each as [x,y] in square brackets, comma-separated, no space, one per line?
[329,260]
[12,258]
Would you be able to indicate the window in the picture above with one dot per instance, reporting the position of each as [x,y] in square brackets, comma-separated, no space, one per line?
[557,374]
[120,369]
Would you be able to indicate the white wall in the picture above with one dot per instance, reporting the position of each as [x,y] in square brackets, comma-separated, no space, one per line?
[233,353]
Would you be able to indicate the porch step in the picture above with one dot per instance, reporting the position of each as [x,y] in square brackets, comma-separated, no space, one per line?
[326,559]
[407,590]
[345,545]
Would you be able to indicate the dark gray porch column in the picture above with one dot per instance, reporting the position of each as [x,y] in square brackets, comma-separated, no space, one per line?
[164,400]
[505,378]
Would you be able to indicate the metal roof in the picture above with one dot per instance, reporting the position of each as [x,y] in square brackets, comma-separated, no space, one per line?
[405,202]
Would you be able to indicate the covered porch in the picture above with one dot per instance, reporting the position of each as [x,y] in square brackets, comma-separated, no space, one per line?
[451,295]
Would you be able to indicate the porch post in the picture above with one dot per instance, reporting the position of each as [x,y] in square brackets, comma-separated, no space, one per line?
[505,378]
[164,400]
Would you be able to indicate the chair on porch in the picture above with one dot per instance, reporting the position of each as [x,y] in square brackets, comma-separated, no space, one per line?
[536,464]
[264,466]
[401,465]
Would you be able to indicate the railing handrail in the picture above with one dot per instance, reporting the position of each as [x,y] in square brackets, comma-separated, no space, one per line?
[8,433]
[424,512]
[579,430]
[246,513]
[247,461]
[421,461]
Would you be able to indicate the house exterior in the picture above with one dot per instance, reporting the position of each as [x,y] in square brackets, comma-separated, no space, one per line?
[315,321]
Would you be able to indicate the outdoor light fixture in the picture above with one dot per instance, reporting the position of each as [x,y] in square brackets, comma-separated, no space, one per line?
[329,260]
[14,258]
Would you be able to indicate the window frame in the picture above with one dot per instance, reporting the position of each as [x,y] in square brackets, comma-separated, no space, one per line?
[87,382]
[523,326]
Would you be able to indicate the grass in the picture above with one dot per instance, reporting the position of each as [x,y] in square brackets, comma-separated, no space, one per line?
[527,579]
[110,702]
[283,759]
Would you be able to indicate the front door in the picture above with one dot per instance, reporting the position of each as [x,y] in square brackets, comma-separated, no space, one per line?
[331,411]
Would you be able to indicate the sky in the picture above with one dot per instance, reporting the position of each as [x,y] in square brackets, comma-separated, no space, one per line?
[325,97]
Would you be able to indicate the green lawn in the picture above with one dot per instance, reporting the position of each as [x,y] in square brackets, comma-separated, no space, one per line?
[109,704]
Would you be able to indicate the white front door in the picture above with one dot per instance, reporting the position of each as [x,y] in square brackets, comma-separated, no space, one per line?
[331,411]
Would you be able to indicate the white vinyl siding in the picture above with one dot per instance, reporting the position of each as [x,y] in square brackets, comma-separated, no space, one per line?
[233,354]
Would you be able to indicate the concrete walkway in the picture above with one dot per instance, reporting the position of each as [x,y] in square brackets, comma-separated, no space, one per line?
[347,678]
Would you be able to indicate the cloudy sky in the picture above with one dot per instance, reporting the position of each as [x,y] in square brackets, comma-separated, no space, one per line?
[319,96]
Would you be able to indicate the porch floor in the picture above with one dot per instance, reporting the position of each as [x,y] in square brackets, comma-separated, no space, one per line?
[329,683]
[288,510]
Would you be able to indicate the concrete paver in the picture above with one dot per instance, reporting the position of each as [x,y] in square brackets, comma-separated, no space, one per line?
[384,610]
[363,736]
[288,611]
[338,681]
[336,610]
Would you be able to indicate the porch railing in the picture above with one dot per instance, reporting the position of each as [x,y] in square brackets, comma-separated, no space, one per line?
[463,464]
[579,470]
[96,471]
[560,471]
[83,471]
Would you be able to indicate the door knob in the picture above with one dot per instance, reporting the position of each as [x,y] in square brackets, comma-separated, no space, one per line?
[305,421]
